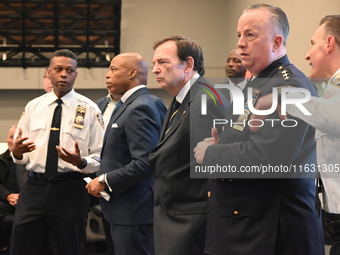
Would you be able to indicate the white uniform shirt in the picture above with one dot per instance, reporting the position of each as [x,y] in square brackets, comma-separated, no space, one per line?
[325,119]
[36,122]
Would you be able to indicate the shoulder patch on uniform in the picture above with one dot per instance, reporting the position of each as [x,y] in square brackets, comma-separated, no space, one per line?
[100,119]
[335,80]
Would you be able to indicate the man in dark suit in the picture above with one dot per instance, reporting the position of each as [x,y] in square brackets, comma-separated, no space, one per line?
[180,202]
[107,105]
[12,178]
[133,131]
[263,216]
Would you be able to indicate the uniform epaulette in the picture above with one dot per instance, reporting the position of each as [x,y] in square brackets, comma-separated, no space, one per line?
[335,80]
[285,72]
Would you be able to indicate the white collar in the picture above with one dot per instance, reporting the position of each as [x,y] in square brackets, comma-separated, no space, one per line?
[184,91]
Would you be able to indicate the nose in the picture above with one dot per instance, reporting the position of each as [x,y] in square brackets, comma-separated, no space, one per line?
[240,43]
[307,57]
[107,75]
[63,74]
[155,69]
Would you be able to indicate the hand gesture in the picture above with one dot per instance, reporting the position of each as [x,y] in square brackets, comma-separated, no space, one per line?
[73,158]
[19,147]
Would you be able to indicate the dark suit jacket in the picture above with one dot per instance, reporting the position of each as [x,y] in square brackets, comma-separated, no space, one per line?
[130,136]
[265,216]
[12,178]
[102,104]
[181,202]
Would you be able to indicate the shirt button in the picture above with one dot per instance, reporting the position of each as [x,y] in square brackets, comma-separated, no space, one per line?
[156,203]
[209,194]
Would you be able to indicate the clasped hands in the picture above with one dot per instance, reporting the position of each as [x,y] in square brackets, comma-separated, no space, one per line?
[201,148]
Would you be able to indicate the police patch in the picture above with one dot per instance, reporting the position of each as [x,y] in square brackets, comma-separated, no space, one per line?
[100,119]
[335,80]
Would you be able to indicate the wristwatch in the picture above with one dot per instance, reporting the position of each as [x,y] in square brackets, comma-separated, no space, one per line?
[101,179]
[83,164]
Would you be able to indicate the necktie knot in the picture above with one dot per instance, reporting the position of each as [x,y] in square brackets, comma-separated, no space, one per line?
[119,103]
[59,101]
[174,111]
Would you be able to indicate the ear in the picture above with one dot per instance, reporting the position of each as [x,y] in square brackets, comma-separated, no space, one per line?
[132,73]
[277,42]
[330,44]
[189,64]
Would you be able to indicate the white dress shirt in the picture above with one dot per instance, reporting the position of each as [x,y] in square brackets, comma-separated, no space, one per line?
[35,123]
[184,91]
[325,119]
[111,105]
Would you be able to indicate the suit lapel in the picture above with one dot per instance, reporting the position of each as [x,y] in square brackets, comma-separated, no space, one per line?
[121,109]
[103,104]
[183,110]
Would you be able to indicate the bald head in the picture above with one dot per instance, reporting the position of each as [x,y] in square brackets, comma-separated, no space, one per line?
[127,70]
[234,68]
[133,60]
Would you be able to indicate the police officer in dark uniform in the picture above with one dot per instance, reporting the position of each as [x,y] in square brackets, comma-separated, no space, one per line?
[256,216]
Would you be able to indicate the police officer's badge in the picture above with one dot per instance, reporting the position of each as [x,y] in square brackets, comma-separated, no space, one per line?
[80,117]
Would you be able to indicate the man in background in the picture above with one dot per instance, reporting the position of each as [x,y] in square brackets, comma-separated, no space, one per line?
[12,178]
[48,87]
[236,72]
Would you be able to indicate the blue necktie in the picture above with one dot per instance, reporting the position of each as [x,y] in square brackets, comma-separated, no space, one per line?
[118,104]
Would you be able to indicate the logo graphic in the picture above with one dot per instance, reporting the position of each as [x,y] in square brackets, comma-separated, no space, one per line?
[211,92]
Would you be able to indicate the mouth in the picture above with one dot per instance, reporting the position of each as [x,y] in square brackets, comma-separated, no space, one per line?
[158,79]
[63,82]
[244,55]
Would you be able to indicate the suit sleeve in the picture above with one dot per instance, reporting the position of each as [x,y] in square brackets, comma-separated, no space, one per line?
[142,132]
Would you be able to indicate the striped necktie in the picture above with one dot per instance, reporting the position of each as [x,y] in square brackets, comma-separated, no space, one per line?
[174,111]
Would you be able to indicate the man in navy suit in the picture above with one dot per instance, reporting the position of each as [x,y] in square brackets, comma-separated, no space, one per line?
[107,105]
[131,134]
